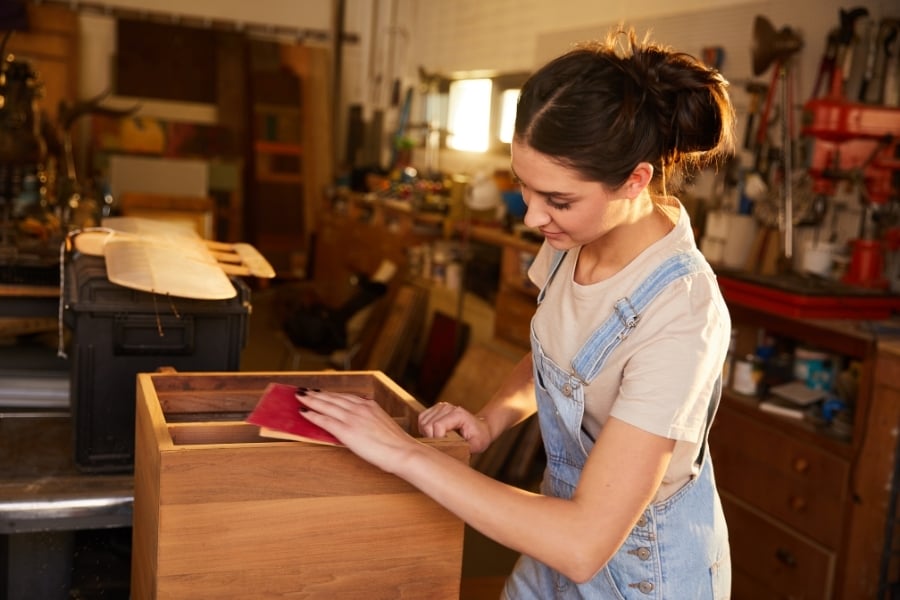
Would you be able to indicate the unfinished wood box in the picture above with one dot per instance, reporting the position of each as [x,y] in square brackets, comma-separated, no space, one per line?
[220,512]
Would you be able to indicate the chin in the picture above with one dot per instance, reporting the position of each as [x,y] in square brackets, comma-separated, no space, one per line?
[560,241]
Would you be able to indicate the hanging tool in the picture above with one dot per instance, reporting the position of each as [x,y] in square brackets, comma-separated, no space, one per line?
[826,65]
[890,95]
[779,47]
[863,63]
[846,41]
[756,91]
[874,90]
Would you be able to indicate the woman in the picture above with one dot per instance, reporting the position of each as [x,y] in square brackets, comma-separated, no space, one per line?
[628,342]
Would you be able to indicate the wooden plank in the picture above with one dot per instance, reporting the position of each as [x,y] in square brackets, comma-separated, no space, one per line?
[400,333]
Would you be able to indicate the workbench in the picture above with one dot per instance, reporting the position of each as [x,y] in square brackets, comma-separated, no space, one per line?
[45,500]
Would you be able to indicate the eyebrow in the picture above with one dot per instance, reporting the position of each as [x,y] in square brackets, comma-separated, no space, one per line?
[561,195]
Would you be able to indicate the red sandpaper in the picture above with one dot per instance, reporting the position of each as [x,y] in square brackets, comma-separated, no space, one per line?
[279,416]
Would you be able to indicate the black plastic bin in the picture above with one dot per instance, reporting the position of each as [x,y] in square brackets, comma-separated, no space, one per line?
[118,332]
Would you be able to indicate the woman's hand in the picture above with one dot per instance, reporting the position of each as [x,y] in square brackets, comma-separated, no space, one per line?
[442,418]
[361,425]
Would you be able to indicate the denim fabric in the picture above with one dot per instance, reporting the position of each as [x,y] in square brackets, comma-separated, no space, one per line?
[679,547]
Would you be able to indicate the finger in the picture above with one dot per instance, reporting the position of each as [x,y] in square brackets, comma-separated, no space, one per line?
[444,419]
[304,395]
[430,416]
[438,411]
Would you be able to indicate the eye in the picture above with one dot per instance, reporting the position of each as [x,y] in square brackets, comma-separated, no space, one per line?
[556,205]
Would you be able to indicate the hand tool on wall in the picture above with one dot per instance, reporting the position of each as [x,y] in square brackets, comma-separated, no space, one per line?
[779,47]
[862,64]
[890,72]
[874,61]
[826,65]
[847,39]
[756,91]
[885,57]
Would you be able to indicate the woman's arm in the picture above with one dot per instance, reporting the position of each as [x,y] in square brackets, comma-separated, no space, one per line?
[576,537]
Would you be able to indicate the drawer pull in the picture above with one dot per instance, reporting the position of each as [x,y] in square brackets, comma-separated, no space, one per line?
[798,503]
[785,557]
[801,465]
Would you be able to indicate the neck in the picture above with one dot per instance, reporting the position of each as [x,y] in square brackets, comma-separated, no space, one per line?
[606,256]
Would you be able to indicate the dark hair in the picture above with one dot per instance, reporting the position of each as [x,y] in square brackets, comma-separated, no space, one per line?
[605,106]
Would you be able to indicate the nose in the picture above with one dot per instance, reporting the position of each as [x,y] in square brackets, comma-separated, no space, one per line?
[535,215]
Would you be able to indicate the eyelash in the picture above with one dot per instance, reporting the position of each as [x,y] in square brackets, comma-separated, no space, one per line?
[555,205]
[547,199]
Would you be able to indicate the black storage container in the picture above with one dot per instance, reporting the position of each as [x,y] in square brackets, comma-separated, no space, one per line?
[119,332]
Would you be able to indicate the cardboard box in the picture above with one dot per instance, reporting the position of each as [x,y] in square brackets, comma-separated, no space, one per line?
[220,512]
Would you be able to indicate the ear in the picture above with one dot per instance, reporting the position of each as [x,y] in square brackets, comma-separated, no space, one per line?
[638,180]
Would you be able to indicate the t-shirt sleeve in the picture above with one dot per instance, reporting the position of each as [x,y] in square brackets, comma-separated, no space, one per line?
[670,375]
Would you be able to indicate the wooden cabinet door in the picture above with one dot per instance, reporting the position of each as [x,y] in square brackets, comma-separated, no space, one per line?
[770,561]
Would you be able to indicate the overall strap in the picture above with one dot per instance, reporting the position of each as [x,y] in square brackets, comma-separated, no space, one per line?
[627,312]
[554,267]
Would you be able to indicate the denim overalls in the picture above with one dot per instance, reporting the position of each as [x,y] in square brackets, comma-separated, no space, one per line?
[678,549]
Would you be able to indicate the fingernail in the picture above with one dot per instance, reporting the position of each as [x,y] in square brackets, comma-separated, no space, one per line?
[300,392]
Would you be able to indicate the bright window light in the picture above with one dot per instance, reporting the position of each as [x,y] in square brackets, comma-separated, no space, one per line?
[469,115]
[508,100]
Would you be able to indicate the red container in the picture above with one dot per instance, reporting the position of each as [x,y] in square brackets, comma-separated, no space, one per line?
[866,267]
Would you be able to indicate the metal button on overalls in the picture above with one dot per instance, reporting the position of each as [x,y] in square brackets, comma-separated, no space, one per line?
[567,390]
[642,553]
[645,586]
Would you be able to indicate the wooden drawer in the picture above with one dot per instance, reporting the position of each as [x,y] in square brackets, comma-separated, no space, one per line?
[512,320]
[769,561]
[797,483]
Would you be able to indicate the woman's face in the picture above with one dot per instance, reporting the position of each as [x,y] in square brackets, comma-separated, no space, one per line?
[567,210]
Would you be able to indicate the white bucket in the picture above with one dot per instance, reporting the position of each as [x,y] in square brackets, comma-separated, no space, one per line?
[818,258]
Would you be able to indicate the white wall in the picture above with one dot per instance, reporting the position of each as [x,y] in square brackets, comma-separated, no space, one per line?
[513,35]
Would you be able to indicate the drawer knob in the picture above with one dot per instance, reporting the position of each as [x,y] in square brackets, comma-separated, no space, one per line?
[785,557]
[798,503]
[801,465]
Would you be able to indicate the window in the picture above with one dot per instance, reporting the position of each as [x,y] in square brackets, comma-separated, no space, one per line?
[469,116]
[508,100]
[482,111]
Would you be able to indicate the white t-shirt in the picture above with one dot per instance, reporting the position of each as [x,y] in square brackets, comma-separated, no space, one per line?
[660,378]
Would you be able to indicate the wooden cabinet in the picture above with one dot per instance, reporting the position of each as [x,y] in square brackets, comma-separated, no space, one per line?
[807,505]
[360,231]
[289,162]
